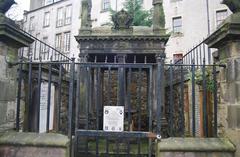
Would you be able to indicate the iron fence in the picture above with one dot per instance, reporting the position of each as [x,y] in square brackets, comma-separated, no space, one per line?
[159,99]
[41,51]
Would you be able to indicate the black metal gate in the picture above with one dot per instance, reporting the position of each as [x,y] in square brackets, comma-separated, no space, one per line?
[127,85]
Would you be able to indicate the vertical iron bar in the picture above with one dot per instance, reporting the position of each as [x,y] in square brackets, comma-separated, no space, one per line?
[182,103]
[129,79]
[39,94]
[35,49]
[193,100]
[171,100]
[205,118]
[70,109]
[98,86]
[139,88]
[49,95]
[78,98]
[59,96]
[200,51]
[215,92]
[150,108]
[209,55]
[29,94]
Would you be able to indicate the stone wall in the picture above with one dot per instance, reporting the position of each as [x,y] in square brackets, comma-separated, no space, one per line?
[195,147]
[227,40]
[33,145]
[8,90]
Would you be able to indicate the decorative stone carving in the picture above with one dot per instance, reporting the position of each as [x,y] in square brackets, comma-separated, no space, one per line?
[122,20]
[233,5]
[5,5]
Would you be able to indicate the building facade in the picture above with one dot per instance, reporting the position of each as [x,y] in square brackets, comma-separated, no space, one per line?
[56,22]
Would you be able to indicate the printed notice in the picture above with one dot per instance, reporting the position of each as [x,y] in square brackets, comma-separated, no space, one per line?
[113,118]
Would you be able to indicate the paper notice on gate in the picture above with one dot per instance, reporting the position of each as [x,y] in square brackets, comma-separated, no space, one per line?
[113,118]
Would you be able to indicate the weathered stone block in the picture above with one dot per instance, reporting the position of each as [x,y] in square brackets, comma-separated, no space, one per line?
[33,145]
[9,90]
[195,147]
[234,116]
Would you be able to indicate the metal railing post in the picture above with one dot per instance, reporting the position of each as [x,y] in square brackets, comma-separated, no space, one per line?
[70,105]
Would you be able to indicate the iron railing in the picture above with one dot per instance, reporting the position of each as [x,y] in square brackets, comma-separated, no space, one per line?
[198,54]
[41,51]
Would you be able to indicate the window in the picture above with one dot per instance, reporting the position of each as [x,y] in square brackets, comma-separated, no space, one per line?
[177,24]
[68,15]
[60,17]
[47,2]
[58,42]
[31,24]
[221,16]
[44,47]
[106,5]
[46,21]
[66,45]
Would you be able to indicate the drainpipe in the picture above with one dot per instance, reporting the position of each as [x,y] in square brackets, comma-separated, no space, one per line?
[208,17]
[208,23]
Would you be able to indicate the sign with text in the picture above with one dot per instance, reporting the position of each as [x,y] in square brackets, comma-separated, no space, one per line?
[113,118]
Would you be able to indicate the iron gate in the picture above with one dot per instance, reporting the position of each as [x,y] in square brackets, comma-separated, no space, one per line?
[128,85]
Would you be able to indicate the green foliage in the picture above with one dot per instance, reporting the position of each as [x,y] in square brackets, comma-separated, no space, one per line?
[199,78]
[141,17]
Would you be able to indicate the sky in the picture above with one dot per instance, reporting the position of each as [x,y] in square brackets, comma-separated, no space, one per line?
[16,12]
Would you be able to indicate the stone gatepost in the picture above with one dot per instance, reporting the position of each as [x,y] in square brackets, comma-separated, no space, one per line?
[11,39]
[227,40]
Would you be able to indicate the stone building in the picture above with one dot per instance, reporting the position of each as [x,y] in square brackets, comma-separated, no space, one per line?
[57,22]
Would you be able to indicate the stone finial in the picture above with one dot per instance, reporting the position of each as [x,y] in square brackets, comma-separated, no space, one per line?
[5,5]
[158,16]
[122,20]
[233,5]
[86,15]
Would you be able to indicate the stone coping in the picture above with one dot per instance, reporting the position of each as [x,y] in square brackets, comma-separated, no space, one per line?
[196,145]
[11,34]
[136,33]
[228,31]
[34,139]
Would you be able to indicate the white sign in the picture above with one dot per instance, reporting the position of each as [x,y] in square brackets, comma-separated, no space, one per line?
[43,107]
[113,118]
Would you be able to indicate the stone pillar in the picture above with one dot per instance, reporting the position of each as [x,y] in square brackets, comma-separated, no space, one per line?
[82,75]
[227,40]
[159,94]
[11,39]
